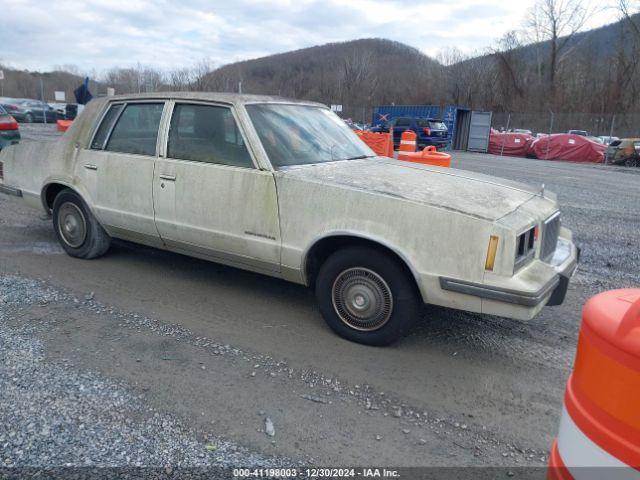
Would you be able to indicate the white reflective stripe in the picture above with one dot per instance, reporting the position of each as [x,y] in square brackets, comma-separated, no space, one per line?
[577,450]
[407,142]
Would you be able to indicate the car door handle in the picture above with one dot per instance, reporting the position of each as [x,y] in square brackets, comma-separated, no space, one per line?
[90,167]
[169,178]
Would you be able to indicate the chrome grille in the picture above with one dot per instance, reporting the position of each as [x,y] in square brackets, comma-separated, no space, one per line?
[550,232]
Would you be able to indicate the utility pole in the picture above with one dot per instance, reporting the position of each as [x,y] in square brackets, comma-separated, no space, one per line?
[613,120]
[44,112]
[550,132]
[504,136]
[240,86]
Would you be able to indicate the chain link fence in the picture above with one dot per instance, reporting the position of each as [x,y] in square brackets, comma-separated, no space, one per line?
[595,124]
[356,113]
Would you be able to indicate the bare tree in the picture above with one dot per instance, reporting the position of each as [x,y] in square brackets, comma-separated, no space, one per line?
[626,7]
[558,22]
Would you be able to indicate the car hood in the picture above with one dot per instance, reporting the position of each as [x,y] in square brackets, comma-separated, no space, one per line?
[466,192]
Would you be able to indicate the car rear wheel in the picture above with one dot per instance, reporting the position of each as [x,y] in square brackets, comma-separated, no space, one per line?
[366,296]
[631,162]
[77,230]
[28,118]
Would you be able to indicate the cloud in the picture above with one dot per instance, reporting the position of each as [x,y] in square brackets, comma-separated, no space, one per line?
[97,35]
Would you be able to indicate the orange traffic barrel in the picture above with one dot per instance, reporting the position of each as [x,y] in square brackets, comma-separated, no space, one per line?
[63,125]
[407,142]
[428,156]
[599,435]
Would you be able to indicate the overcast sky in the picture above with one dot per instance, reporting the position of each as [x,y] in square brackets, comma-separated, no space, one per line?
[100,34]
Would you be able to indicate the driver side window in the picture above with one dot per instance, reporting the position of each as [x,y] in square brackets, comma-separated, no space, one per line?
[207,133]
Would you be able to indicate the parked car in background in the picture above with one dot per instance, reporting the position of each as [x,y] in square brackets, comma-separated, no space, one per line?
[582,133]
[624,152]
[521,130]
[61,109]
[72,111]
[381,128]
[25,110]
[285,188]
[355,125]
[429,131]
[67,111]
[607,140]
[9,132]
[597,140]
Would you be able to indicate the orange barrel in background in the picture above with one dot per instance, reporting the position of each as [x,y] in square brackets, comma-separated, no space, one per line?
[599,435]
[428,156]
[63,125]
[407,143]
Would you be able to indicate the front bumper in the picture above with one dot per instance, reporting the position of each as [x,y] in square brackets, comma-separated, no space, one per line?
[436,143]
[7,190]
[517,303]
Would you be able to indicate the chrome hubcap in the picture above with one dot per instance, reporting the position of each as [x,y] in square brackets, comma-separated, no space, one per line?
[362,299]
[72,225]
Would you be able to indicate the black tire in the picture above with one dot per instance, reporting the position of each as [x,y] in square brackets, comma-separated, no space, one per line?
[28,118]
[631,162]
[77,230]
[369,278]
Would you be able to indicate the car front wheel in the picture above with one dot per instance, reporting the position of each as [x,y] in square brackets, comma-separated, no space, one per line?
[76,228]
[366,296]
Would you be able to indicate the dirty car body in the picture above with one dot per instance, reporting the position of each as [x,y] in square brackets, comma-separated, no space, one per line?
[284,188]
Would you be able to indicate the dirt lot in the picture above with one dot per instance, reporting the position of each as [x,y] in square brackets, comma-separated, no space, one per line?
[150,357]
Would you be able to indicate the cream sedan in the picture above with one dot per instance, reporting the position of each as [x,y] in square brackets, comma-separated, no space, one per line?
[285,188]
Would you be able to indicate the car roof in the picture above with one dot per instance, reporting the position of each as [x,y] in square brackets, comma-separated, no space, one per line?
[230,98]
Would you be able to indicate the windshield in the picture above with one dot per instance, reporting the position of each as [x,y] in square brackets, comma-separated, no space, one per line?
[303,134]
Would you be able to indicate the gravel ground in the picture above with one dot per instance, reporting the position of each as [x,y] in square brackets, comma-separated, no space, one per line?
[60,414]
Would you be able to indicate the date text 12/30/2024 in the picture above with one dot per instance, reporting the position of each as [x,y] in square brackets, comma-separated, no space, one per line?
[315,473]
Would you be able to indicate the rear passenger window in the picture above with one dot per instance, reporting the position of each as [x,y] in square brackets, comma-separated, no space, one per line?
[207,133]
[403,122]
[136,130]
[105,127]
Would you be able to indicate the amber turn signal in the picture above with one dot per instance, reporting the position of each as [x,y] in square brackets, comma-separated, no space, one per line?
[491,253]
